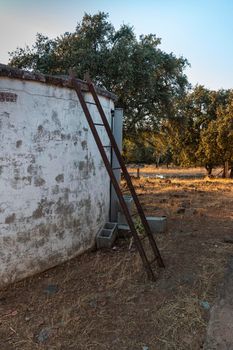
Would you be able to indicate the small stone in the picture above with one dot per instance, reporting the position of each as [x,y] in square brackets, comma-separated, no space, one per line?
[51,289]
[93,304]
[205,304]
[185,204]
[145,347]
[164,200]
[188,278]
[191,211]
[14,313]
[2,300]
[228,240]
[43,335]
[180,211]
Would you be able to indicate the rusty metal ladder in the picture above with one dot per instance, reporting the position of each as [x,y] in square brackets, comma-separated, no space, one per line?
[76,85]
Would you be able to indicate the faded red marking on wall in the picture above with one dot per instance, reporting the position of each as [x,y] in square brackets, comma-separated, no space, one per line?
[7,97]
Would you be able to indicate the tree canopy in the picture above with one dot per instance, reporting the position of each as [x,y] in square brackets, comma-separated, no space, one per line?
[164,118]
[147,80]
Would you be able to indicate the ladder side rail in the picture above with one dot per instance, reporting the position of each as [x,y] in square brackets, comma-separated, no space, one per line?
[126,175]
[123,204]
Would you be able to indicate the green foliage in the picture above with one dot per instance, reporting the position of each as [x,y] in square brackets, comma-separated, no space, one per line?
[137,151]
[225,132]
[147,81]
[139,227]
[164,120]
[208,152]
[148,146]
[216,145]
[192,133]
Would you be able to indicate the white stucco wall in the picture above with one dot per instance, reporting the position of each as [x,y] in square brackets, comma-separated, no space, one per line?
[54,189]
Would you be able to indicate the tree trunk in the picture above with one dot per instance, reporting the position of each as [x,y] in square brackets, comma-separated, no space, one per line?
[231,173]
[209,169]
[225,170]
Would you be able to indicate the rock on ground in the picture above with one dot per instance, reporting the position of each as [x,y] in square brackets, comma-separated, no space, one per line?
[220,327]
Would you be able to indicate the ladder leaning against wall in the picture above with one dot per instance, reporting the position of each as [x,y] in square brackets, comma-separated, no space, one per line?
[147,263]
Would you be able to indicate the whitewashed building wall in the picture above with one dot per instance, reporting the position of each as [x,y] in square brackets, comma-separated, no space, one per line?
[54,189]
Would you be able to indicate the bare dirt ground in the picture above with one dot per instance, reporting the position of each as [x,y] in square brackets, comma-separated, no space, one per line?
[103,300]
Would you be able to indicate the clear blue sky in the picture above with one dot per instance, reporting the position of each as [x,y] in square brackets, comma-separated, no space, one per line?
[200,30]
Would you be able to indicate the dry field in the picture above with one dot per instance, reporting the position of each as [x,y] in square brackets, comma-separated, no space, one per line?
[103,300]
[172,171]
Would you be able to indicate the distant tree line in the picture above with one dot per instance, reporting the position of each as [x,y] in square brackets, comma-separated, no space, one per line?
[166,120]
[200,134]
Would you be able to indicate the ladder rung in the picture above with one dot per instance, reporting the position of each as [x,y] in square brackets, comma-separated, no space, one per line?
[116,168]
[107,146]
[90,103]
[98,124]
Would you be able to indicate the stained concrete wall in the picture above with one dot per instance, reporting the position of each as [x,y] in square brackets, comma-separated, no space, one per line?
[54,189]
[117,131]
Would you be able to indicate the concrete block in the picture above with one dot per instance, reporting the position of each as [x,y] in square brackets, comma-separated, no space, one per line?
[120,216]
[129,202]
[121,220]
[107,235]
[123,227]
[158,224]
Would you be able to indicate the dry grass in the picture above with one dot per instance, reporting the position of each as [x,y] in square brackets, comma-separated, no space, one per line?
[152,169]
[177,170]
[104,300]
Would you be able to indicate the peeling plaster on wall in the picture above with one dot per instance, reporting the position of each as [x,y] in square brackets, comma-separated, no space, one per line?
[54,193]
